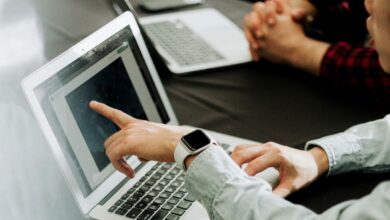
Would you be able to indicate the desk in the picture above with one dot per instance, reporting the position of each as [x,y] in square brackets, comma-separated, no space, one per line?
[267,102]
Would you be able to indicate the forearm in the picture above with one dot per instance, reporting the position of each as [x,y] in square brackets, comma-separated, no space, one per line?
[308,55]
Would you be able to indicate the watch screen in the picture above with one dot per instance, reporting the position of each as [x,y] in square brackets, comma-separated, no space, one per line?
[196,140]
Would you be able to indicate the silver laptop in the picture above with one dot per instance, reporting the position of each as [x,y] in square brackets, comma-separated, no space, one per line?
[194,40]
[111,66]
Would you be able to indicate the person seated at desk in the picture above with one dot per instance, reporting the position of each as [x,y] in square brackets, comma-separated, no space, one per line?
[227,192]
[339,57]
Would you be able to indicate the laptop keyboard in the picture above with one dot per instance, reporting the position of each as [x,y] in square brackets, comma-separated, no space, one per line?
[160,194]
[180,42]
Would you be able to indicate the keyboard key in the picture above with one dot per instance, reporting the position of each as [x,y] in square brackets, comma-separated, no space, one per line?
[160,215]
[167,206]
[178,195]
[176,183]
[153,193]
[183,189]
[112,208]
[156,177]
[150,182]
[138,184]
[163,182]
[155,166]
[133,199]
[121,211]
[172,217]
[173,201]
[165,195]
[167,165]
[153,207]
[118,203]
[159,201]
[134,213]
[147,199]
[189,198]
[169,177]
[159,187]
[143,179]
[170,189]
[131,190]
[127,206]
[141,205]
[145,215]
[144,188]
[139,193]
[178,211]
[161,171]
[125,196]
[184,204]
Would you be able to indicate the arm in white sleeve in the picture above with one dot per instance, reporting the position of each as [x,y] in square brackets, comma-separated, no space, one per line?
[229,194]
[364,147]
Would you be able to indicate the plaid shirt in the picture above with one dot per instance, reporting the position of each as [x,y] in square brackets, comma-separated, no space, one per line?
[345,65]
[350,64]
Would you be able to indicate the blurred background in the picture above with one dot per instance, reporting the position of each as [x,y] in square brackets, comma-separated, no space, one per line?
[31,184]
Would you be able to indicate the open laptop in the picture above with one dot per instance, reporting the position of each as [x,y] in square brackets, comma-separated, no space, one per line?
[112,66]
[193,40]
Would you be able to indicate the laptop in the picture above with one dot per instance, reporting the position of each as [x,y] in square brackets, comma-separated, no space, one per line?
[112,66]
[193,40]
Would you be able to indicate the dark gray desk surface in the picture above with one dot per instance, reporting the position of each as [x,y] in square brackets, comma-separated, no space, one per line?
[267,102]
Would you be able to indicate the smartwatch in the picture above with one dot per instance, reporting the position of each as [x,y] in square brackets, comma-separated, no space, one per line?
[191,144]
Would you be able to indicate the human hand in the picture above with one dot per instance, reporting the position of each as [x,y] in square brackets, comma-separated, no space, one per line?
[297,168]
[146,140]
[264,14]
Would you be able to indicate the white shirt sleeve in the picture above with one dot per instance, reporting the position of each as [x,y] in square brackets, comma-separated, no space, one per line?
[229,194]
[364,147]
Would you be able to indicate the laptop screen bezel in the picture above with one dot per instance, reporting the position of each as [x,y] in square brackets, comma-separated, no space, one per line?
[86,204]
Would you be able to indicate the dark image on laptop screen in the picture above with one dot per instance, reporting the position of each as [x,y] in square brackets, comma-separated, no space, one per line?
[113,87]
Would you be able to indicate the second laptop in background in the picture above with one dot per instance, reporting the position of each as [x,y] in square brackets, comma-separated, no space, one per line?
[193,40]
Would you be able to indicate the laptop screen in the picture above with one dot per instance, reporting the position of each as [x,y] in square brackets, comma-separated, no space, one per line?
[114,73]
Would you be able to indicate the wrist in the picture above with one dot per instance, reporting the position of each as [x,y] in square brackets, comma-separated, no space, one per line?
[188,161]
[321,160]
[308,55]
[176,134]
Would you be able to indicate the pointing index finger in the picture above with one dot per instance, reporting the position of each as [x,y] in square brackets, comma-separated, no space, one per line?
[118,117]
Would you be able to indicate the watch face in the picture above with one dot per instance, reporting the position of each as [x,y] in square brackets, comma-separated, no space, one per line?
[196,140]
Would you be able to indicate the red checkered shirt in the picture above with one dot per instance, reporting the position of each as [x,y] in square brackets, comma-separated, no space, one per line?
[345,65]
[350,64]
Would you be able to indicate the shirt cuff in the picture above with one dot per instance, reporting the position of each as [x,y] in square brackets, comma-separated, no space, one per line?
[343,151]
[208,174]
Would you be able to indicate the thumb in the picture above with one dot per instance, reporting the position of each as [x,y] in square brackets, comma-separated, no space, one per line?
[118,117]
[283,189]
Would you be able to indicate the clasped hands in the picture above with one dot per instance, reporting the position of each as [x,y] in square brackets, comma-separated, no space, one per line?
[154,141]
[274,29]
